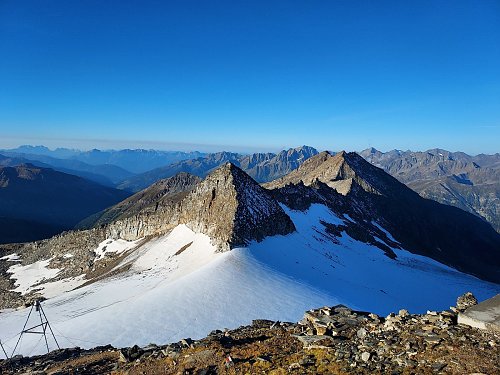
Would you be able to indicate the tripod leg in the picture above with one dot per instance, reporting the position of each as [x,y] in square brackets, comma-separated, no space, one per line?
[4,352]
[44,326]
[21,334]
[48,324]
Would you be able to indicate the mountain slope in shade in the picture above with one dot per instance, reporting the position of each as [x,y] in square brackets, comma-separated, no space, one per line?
[260,166]
[104,174]
[199,167]
[48,201]
[471,183]
[350,185]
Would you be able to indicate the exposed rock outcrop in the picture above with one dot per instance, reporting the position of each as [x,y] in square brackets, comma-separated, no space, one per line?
[163,193]
[231,208]
[340,172]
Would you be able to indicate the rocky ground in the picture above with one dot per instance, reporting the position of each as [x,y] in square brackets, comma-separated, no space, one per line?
[329,340]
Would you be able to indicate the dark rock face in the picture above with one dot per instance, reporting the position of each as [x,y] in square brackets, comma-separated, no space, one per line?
[471,183]
[348,184]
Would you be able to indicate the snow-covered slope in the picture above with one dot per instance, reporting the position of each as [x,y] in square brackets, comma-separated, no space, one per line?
[178,286]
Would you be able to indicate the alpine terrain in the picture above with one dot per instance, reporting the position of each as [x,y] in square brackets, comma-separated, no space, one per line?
[187,256]
[471,183]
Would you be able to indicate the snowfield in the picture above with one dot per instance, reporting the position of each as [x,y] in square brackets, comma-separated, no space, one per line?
[178,287]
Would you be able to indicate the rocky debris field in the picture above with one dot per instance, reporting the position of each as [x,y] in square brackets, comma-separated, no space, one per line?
[328,340]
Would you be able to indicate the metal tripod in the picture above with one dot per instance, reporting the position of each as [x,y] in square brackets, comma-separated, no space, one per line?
[44,324]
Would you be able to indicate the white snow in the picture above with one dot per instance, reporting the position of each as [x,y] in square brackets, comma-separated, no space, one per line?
[165,297]
[37,276]
[56,288]
[349,218]
[116,246]
[386,232]
[11,258]
[27,277]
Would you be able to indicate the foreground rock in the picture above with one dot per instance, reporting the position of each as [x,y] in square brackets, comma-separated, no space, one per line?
[328,340]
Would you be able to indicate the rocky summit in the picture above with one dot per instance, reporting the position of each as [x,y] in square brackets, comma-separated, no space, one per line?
[231,208]
[328,340]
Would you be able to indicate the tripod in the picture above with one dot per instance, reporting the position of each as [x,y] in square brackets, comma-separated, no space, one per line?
[44,324]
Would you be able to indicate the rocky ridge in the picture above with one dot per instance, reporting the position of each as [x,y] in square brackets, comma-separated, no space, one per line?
[349,185]
[232,209]
[163,193]
[228,206]
[328,340]
[340,172]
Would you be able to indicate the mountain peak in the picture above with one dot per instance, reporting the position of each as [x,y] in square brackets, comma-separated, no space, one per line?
[231,208]
[340,171]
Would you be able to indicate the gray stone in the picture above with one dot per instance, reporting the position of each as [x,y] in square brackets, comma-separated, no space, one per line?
[485,315]
[361,333]
[465,301]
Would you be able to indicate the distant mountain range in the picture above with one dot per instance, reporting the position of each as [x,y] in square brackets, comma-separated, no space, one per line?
[134,161]
[104,174]
[37,202]
[471,183]
[262,167]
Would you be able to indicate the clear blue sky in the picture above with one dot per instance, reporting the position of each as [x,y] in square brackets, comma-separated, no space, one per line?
[242,75]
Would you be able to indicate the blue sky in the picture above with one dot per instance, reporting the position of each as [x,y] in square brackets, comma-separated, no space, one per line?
[251,75]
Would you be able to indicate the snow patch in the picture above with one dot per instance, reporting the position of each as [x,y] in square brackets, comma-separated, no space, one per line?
[56,288]
[116,246]
[349,218]
[27,277]
[11,258]
[386,232]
